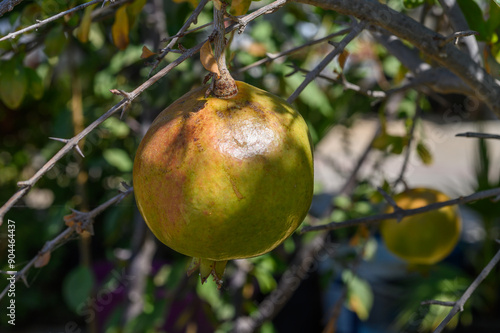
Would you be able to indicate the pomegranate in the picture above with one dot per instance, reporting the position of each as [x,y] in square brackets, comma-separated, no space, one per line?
[219,179]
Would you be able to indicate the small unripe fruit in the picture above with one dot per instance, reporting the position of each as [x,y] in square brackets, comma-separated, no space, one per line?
[220,179]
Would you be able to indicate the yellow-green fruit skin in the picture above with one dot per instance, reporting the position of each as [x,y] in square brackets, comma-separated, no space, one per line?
[425,238]
[225,179]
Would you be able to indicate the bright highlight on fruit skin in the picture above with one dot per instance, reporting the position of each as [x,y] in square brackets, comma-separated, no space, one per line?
[221,179]
[422,239]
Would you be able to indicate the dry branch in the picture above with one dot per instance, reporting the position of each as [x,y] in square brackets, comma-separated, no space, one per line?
[86,219]
[405,212]
[484,86]
[459,305]
[355,31]
[128,98]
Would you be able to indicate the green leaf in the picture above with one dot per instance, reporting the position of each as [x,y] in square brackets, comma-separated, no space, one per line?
[77,287]
[13,83]
[474,16]
[240,7]
[424,154]
[119,159]
[359,295]
[35,87]
[413,3]
[55,41]
[390,143]
[82,32]
[116,127]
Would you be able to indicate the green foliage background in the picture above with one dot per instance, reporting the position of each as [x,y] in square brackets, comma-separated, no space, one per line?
[47,75]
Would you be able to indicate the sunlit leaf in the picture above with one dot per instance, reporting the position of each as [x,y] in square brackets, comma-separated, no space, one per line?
[413,3]
[146,53]
[424,154]
[240,7]
[120,29]
[194,3]
[207,58]
[82,33]
[118,158]
[343,58]
[77,287]
[359,295]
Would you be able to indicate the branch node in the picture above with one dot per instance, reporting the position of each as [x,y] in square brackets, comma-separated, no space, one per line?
[24,183]
[456,36]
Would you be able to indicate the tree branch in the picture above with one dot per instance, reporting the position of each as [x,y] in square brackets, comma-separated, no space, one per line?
[484,85]
[86,219]
[317,70]
[272,57]
[479,135]
[459,305]
[404,212]
[128,98]
[50,19]
[459,23]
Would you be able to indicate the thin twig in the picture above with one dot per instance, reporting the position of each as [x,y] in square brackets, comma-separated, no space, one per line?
[192,18]
[351,86]
[411,135]
[272,57]
[456,35]
[71,143]
[436,302]
[86,219]
[317,70]
[50,19]
[404,212]
[459,305]
[479,135]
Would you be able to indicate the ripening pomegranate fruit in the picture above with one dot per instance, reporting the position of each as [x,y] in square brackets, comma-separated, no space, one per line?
[220,179]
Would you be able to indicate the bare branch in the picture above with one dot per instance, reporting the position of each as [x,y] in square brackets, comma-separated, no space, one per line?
[457,35]
[435,302]
[404,212]
[459,305]
[351,86]
[483,84]
[86,219]
[459,23]
[317,70]
[479,135]
[272,57]
[71,143]
[26,185]
[418,111]
[192,18]
[50,19]
[8,5]
[289,282]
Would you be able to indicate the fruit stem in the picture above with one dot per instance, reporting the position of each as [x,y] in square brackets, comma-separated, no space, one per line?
[225,86]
